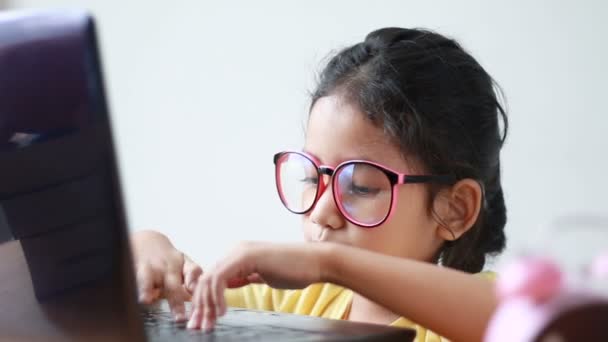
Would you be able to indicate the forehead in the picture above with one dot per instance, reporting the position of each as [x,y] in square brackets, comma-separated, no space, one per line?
[338,131]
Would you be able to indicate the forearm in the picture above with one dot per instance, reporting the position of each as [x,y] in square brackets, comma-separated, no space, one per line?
[451,303]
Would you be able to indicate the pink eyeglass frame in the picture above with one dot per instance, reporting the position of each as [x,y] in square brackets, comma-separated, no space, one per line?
[395,178]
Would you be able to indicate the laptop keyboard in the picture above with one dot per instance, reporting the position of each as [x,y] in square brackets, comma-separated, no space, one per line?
[160,326]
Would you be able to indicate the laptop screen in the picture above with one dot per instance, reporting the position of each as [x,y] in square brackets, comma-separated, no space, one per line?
[62,221]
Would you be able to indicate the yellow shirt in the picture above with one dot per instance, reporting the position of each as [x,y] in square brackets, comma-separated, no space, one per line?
[320,300]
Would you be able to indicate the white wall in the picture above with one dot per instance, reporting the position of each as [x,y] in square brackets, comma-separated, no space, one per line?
[203,94]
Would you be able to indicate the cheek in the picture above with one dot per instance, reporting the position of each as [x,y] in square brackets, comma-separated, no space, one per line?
[412,207]
[306,228]
[409,232]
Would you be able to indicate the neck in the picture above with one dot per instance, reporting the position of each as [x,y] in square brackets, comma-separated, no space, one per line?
[364,310]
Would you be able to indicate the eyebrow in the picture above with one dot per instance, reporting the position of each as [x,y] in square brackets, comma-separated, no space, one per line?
[360,156]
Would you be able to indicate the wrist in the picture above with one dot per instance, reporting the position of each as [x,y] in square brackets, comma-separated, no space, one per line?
[329,255]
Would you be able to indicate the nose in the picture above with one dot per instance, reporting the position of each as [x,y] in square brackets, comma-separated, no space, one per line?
[325,213]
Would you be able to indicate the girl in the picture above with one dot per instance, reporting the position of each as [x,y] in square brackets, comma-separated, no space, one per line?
[398,186]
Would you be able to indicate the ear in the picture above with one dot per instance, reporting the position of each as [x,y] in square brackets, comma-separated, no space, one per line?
[457,208]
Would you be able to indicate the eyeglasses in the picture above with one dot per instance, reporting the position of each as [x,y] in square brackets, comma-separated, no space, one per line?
[364,192]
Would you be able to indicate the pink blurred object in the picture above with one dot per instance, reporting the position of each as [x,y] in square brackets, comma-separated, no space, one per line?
[536,304]
[599,267]
[534,278]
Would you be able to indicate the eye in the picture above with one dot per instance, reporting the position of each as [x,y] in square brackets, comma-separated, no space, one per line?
[363,190]
[310,180]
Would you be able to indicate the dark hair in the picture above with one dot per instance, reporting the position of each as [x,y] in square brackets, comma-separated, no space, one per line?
[440,107]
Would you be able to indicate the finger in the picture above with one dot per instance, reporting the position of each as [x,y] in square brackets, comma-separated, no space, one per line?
[217,293]
[191,272]
[147,284]
[209,321]
[208,305]
[175,294]
[197,312]
[195,319]
[233,268]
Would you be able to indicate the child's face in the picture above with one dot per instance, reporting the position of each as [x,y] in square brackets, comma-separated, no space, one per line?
[338,132]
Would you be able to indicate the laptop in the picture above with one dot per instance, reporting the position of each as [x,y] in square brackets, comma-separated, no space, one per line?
[65,264]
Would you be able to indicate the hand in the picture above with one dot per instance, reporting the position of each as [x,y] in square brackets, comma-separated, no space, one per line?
[278,265]
[163,271]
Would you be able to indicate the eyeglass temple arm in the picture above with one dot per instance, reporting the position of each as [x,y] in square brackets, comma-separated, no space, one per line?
[446,179]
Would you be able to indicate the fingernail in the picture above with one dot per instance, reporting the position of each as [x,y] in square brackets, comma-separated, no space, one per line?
[205,325]
[190,323]
[180,317]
